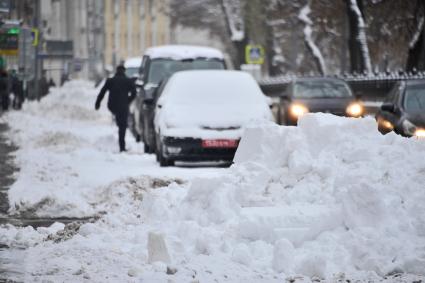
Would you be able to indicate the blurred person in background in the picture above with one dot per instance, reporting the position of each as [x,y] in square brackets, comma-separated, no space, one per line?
[43,85]
[17,88]
[4,90]
[119,86]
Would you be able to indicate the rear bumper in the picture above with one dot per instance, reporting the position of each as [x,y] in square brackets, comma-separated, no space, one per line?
[190,149]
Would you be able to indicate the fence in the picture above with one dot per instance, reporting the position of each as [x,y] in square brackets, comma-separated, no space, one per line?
[369,87]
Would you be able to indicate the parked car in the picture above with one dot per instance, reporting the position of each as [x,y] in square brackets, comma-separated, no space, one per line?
[403,110]
[328,95]
[200,115]
[132,67]
[158,64]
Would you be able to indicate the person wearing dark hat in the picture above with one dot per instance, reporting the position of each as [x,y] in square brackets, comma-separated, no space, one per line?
[119,87]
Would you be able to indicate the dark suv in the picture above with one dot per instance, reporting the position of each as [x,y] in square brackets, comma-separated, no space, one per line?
[321,94]
[158,64]
[403,111]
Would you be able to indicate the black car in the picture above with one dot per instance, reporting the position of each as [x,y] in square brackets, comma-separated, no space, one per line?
[158,64]
[403,110]
[328,95]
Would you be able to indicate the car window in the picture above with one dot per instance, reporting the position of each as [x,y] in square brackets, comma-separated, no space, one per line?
[317,88]
[164,68]
[132,72]
[391,95]
[414,100]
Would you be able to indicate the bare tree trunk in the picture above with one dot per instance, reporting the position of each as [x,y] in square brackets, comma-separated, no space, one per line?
[359,51]
[236,28]
[308,39]
[416,57]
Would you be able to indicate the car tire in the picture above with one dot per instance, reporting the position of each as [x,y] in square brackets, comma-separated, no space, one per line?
[163,161]
[146,148]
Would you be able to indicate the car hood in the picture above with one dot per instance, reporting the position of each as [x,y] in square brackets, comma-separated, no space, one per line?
[213,117]
[332,105]
[417,118]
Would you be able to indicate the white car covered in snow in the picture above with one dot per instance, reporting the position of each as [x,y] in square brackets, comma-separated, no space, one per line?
[158,64]
[200,115]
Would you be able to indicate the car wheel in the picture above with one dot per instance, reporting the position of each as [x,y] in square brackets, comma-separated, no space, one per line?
[146,148]
[163,161]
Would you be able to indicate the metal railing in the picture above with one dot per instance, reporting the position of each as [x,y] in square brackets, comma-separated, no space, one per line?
[367,86]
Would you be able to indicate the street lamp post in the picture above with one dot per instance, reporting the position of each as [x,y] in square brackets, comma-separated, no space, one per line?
[37,62]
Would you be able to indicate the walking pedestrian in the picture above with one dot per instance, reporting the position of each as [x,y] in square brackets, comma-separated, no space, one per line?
[4,90]
[17,89]
[119,87]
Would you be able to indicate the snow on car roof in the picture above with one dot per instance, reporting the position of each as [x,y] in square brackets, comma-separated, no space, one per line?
[134,62]
[212,85]
[180,52]
[200,99]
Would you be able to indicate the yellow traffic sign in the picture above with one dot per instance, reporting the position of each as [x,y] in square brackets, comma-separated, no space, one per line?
[254,54]
[34,36]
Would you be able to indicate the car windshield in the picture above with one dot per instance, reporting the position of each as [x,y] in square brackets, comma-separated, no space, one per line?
[163,68]
[132,72]
[313,89]
[415,98]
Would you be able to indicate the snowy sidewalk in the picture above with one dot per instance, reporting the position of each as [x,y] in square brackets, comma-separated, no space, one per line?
[328,201]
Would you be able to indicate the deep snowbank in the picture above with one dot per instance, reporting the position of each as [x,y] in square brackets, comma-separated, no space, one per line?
[68,154]
[331,199]
[331,195]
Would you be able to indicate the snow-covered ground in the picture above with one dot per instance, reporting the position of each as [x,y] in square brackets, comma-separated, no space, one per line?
[329,200]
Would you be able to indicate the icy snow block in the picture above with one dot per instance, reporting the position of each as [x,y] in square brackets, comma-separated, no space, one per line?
[157,249]
[262,145]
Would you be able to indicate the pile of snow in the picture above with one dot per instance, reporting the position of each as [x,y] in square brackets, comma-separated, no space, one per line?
[330,200]
[68,154]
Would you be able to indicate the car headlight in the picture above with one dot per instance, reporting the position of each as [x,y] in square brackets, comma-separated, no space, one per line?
[355,109]
[297,110]
[385,124]
[408,127]
[420,133]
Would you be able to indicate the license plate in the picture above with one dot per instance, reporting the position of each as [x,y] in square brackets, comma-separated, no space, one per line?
[220,143]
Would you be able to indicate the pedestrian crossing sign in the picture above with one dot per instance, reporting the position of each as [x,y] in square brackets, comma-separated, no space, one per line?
[254,54]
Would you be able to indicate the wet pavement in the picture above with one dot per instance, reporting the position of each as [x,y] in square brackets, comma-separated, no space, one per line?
[7,169]
[10,259]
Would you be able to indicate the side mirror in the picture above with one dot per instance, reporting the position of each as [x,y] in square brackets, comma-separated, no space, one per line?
[284,95]
[389,107]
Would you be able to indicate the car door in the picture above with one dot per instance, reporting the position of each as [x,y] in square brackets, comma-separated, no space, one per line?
[393,98]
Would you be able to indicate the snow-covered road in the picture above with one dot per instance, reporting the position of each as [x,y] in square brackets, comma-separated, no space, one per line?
[330,200]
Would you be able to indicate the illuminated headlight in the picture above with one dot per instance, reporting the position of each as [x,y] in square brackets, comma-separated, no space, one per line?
[173,149]
[298,110]
[385,124]
[408,128]
[355,109]
[420,133]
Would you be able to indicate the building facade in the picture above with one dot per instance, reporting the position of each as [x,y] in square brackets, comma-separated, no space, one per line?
[133,25]
[83,38]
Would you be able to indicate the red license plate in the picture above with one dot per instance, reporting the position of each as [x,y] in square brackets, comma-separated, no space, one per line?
[220,143]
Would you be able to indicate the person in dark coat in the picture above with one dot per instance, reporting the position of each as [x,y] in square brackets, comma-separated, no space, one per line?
[119,86]
[4,90]
[17,88]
